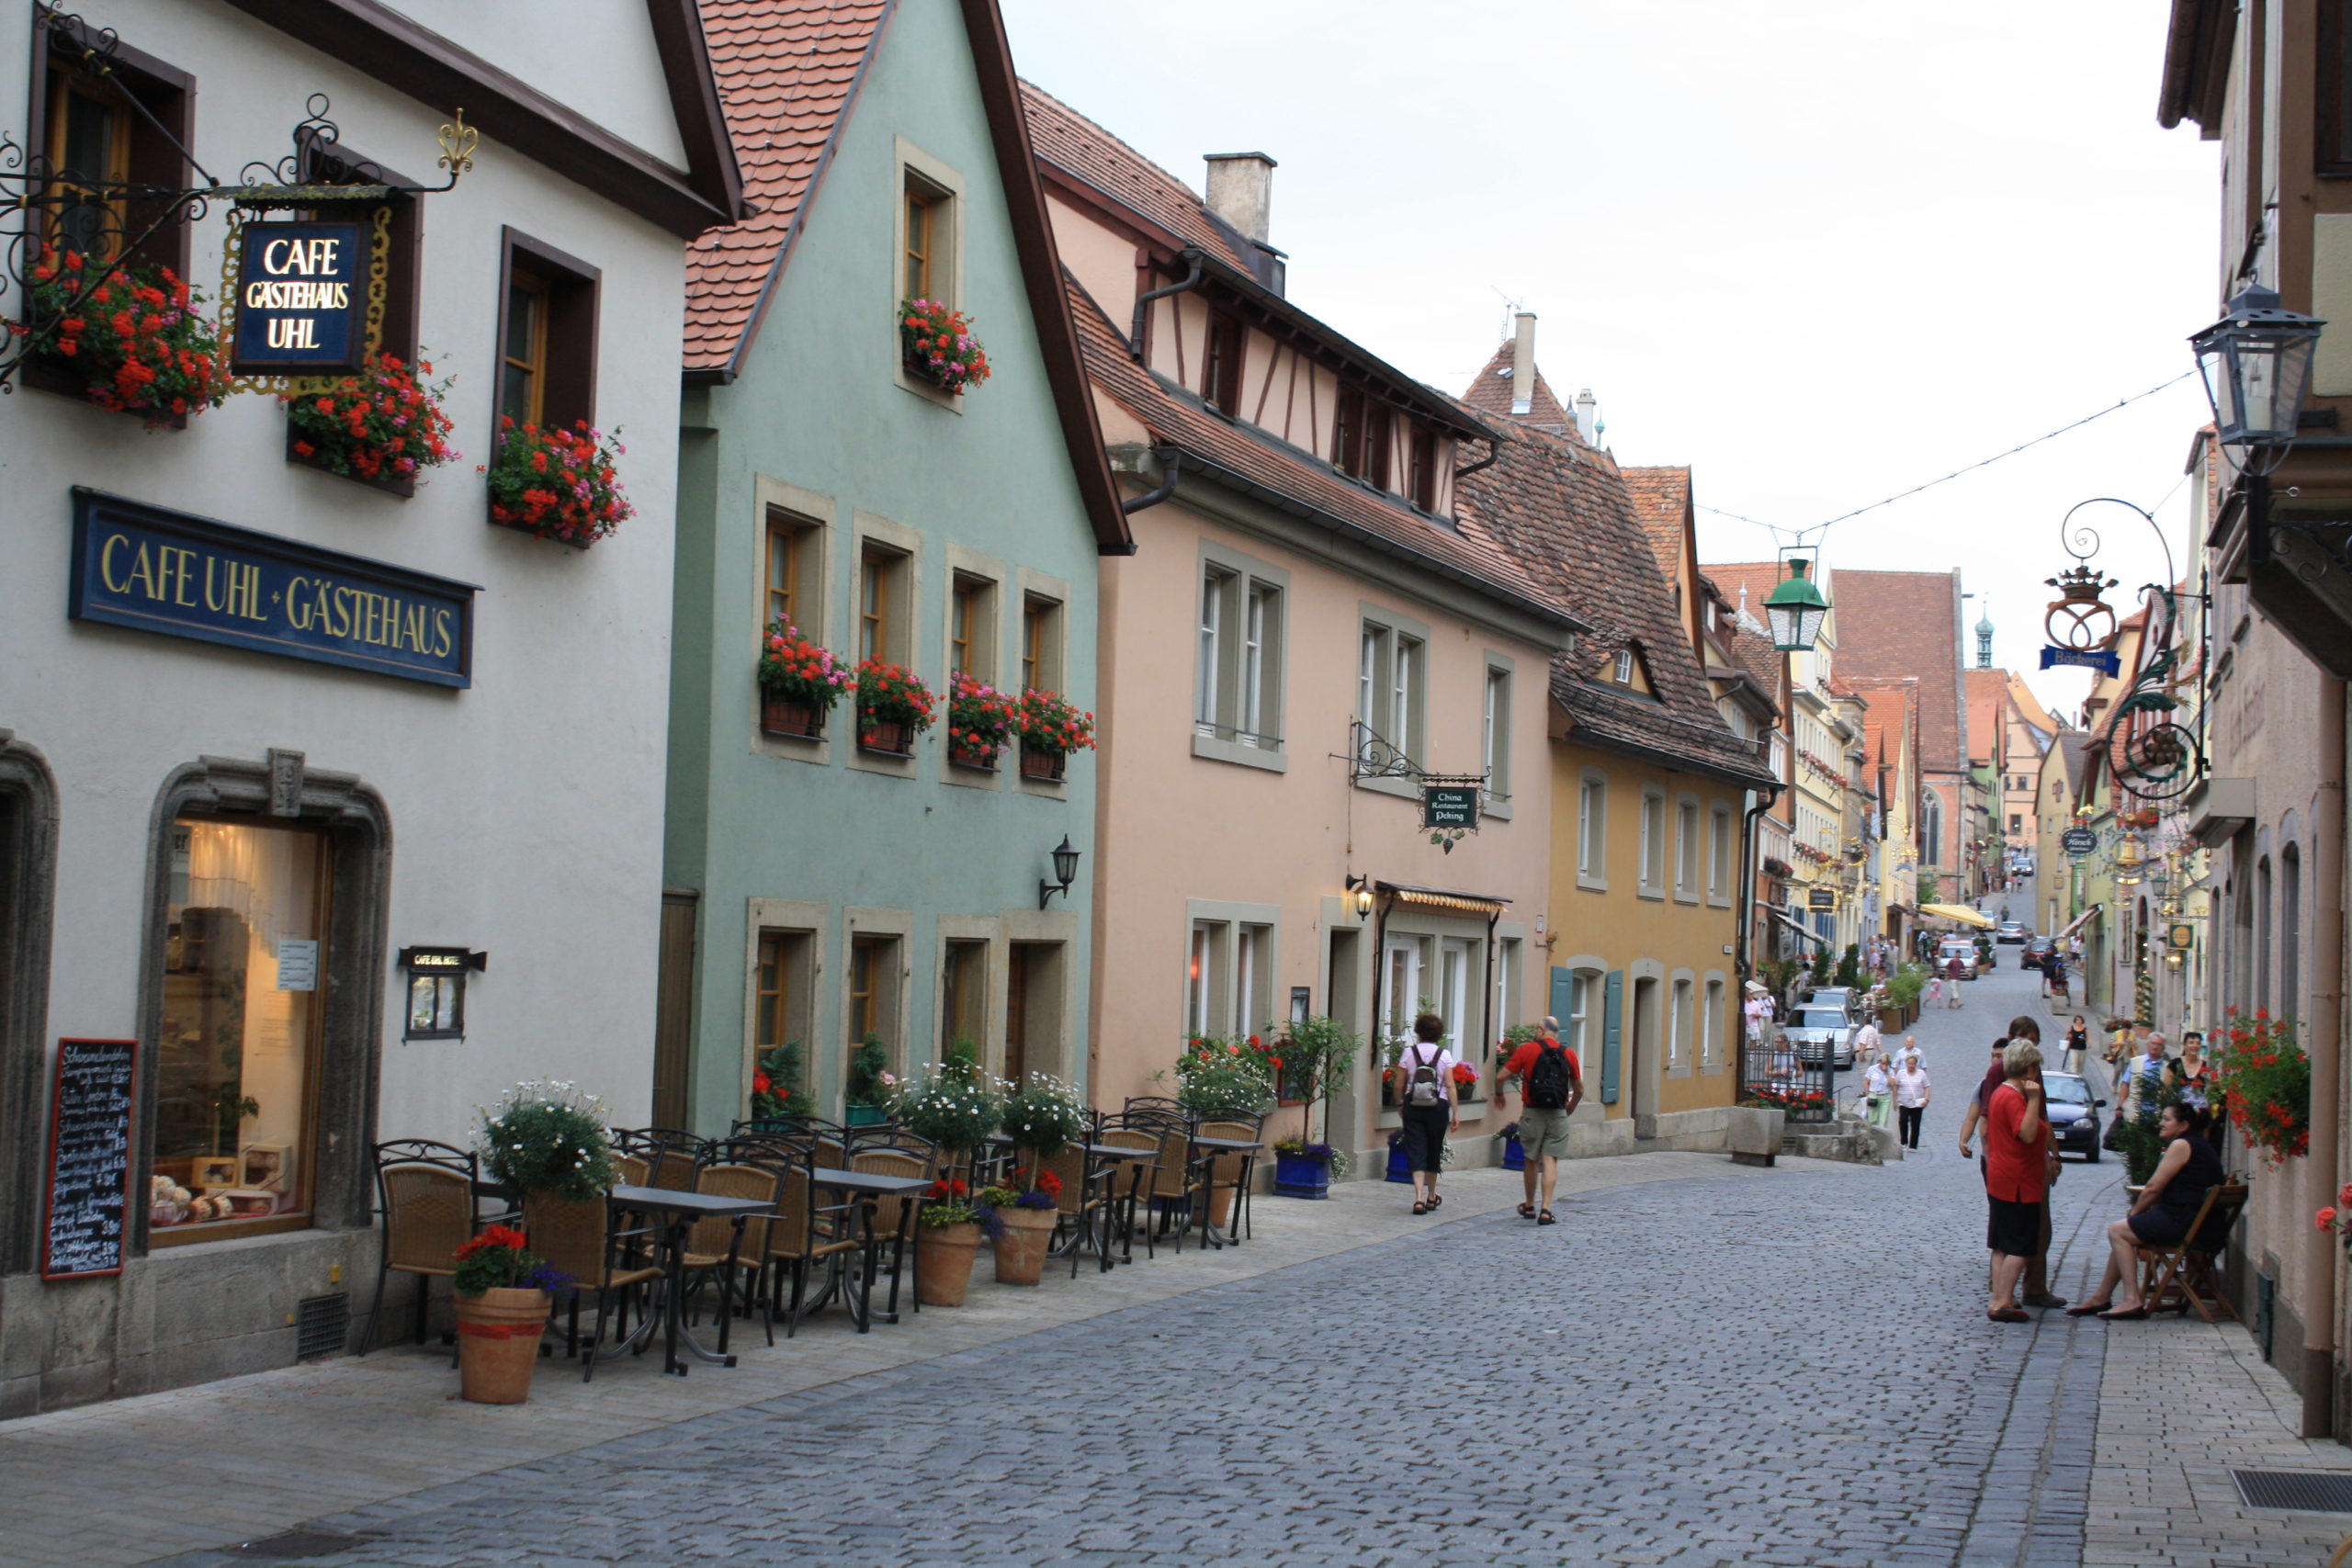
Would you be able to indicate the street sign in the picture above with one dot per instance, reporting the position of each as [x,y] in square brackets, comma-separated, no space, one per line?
[2078,840]
[2181,936]
[2103,659]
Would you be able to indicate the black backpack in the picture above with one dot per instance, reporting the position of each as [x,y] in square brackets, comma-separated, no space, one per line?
[1549,1080]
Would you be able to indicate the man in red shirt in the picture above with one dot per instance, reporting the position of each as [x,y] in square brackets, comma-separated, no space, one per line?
[2017,1174]
[1547,1098]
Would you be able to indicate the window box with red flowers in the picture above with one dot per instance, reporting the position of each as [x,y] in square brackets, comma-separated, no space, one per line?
[381,427]
[1051,730]
[559,484]
[980,719]
[893,707]
[799,682]
[939,347]
[131,341]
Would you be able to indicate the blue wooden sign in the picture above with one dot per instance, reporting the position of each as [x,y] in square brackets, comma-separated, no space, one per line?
[2103,659]
[301,299]
[154,570]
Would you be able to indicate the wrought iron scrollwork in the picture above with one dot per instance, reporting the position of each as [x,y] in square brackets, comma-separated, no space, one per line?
[2312,547]
[1372,757]
[2149,754]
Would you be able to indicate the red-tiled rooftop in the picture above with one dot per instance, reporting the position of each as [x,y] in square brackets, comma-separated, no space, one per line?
[1087,153]
[1491,393]
[1661,502]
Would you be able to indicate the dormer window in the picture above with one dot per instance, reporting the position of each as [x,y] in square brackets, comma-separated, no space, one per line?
[1621,671]
[1221,366]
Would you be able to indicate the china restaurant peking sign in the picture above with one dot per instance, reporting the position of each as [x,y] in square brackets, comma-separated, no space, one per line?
[301,299]
[151,570]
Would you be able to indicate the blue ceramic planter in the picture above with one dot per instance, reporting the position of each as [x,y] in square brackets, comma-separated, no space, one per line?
[1302,1176]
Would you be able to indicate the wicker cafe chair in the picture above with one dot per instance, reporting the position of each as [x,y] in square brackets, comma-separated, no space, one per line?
[2182,1277]
[1084,1203]
[894,1220]
[713,1249]
[1126,1182]
[1230,1172]
[630,1170]
[424,1190]
[1178,1177]
[586,1239]
[807,1232]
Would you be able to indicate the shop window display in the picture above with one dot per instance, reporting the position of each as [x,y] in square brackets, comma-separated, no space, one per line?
[236,1079]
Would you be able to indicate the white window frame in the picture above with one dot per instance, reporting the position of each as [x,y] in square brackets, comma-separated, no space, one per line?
[1723,857]
[1681,995]
[946,271]
[1239,676]
[1711,1022]
[1650,870]
[1592,831]
[1686,849]
[1497,735]
[1393,662]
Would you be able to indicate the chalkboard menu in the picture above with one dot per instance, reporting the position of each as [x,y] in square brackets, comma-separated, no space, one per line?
[89,1159]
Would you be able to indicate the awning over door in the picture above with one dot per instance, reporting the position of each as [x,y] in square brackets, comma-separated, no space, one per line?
[1799,927]
[2079,921]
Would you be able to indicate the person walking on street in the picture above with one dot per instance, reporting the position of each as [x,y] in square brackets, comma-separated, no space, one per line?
[2078,1044]
[2017,1174]
[1428,1113]
[2053,971]
[1953,972]
[1911,1091]
[1878,1094]
[1551,1085]
[2144,1077]
[1869,1044]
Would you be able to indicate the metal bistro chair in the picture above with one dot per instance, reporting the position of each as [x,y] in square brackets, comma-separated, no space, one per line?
[1141,1174]
[808,1231]
[894,1220]
[1230,1172]
[1084,1202]
[603,1257]
[425,1192]
[1179,1177]
[2182,1277]
[713,1248]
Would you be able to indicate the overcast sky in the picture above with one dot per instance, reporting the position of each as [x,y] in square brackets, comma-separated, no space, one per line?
[1821,252]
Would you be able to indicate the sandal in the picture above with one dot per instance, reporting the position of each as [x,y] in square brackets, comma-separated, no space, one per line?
[2008,1314]
[1545,1218]
[1527,1210]
[1435,1200]
[1419,1208]
[2137,1312]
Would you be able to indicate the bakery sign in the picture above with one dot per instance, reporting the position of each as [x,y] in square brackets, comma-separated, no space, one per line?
[301,306]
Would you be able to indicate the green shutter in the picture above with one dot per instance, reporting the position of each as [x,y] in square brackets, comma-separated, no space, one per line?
[1612,1034]
[1564,995]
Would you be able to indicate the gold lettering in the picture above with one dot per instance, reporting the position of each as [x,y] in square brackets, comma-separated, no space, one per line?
[253,594]
[273,255]
[298,611]
[106,564]
[142,570]
[212,600]
[341,628]
[179,570]
[412,627]
[441,644]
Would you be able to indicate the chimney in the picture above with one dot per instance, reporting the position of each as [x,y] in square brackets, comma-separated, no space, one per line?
[1588,417]
[1522,365]
[1241,191]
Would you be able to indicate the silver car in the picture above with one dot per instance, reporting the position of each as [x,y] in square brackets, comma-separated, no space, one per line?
[1822,1033]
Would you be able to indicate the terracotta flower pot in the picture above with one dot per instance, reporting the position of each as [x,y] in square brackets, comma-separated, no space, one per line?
[1021,1250]
[973,754]
[887,735]
[498,1344]
[1037,764]
[783,716]
[1220,1207]
[943,1263]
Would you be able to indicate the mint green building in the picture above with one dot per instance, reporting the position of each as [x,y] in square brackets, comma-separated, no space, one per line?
[819,889]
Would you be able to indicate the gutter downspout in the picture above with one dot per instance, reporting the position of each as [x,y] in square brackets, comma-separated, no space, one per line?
[2326,1041]
[1494,450]
[1493,1032]
[1143,301]
[1172,463]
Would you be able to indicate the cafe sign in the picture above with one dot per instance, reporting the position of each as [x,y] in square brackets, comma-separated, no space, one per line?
[301,298]
[154,570]
[1821,898]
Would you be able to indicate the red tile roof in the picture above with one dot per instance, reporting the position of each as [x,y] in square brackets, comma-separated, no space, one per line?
[1087,153]
[1491,393]
[1907,623]
[1661,499]
[1758,578]
[788,71]
[1989,701]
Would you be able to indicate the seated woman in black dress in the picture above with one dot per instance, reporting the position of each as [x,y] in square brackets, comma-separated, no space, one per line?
[2166,1208]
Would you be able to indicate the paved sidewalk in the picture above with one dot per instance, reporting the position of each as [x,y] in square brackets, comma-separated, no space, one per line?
[245,1458]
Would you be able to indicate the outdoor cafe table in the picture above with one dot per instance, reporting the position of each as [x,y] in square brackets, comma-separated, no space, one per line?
[1248,1149]
[867,1186]
[1101,1157]
[676,1212]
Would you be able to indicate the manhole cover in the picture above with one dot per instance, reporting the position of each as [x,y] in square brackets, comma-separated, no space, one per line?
[299,1543]
[2311,1491]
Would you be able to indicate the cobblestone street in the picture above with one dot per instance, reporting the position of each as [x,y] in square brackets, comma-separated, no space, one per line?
[1699,1365]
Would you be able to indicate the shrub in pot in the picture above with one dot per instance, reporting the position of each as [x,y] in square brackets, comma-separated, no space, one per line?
[867,1100]
[503,1300]
[1043,1116]
[548,1139]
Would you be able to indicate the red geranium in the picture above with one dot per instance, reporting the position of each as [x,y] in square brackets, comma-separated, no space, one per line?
[162,360]
[940,347]
[557,483]
[382,421]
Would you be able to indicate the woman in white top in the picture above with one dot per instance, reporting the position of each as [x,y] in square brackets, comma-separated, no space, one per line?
[1911,1091]
[1878,1094]
[1425,1094]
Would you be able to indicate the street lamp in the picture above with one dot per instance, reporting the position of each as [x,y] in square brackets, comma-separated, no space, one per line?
[1796,610]
[1362,886]
[2257,361]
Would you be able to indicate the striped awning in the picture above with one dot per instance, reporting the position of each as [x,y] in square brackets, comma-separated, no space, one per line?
[2079,921]
[1440,898]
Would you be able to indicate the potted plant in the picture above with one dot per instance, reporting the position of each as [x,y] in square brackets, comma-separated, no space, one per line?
[1465,1083]
[893,707]
[1051,730]
[800,681]
[1314,1053]
[1302,1169]
[502,1301]
[1400,1167]
[951,1107]
[132,336]
[381,427]
[939,347]
[949,1238]
[980,719]
[1514,1152]
[548,1139]
[777,1094]
[1043,1116]
[866,1103]
[2265,1083]
[556,483]
[1218,1081]
[1019,1221]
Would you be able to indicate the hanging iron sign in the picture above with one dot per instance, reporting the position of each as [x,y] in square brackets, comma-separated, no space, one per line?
[301,298]
[2078,840]
[2103,659]
[1450,806]
[1821,898]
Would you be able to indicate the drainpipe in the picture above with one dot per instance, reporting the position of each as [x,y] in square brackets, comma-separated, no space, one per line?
[2326,1041]
[1494,450]
[1494,1033]
[1143,301]
[1171,462]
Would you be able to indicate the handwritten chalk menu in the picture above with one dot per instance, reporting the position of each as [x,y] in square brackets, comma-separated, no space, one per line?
[89,1159]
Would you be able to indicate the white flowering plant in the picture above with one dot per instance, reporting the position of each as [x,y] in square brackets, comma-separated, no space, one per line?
[548,1138]
[951,1109]
[1044,1116]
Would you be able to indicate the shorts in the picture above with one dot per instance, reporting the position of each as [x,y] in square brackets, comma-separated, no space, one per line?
[2013,1229]
[1543,1133]
[2162,1226]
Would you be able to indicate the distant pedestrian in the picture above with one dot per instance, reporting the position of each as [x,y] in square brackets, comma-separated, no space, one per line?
[1428,1113]
[1878,1094]
[1954,972]
[1551,1085]
[2144,1077]
[2078,1044]
[1869,1044]
[2054,976]
[1911,1091]
[1936,990]
[2017,1174]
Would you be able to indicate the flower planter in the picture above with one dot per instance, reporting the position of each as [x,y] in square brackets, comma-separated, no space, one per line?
[944,1257]
[1400,1169]
[888,737]
[1021,1249]
[1302,1176]
[1044,765]
[864,1115]
[1220,1207]
[400,485]
[1514,1155]
[783,716]
[498,1344]
[966,755]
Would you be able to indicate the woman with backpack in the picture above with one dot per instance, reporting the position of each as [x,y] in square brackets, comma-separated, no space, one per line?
[1427,1106]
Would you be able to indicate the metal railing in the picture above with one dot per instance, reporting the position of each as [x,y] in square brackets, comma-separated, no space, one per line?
[1777,1075]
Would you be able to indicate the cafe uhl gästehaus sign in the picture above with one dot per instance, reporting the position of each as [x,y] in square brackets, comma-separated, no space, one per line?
[157,571]
[301,299]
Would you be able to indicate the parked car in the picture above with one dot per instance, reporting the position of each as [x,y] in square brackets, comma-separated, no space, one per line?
[1822,1033]
[2073,1114]
[2009,931]
[1844,997]
[2036,950]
